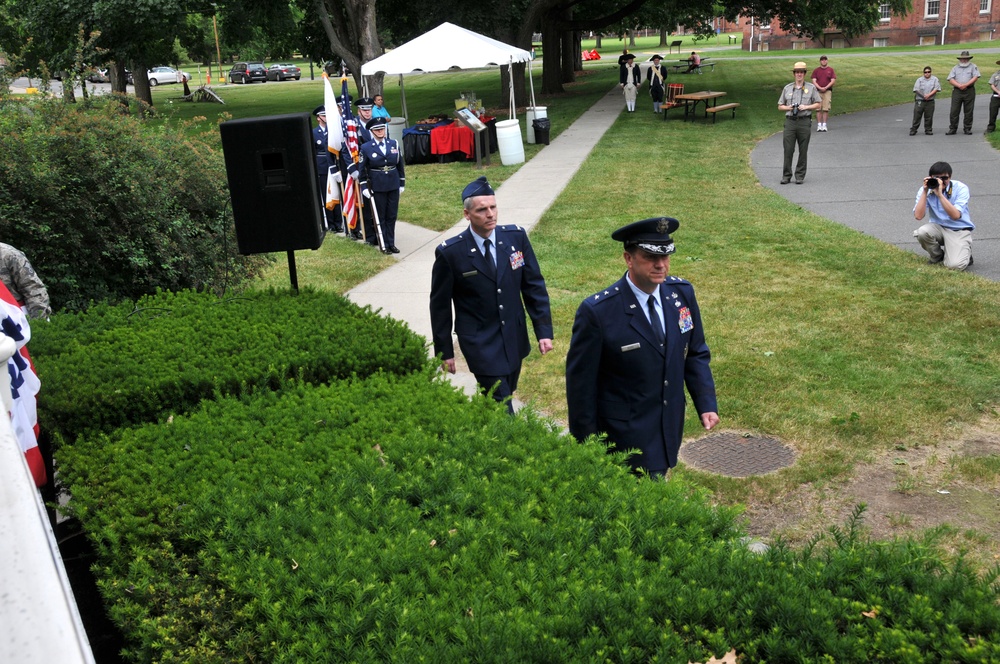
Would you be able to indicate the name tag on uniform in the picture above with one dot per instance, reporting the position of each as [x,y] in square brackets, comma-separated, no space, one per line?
[685,322]
[470,274]
[629,347]
[516,260]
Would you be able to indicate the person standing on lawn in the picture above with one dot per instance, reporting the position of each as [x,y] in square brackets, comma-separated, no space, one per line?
[657,77]
[635,346]
[630,79]
[994,100]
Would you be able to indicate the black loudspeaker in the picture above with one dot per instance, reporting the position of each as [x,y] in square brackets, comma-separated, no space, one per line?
[272,183]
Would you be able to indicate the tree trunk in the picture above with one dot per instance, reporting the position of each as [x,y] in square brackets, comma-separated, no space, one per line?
[663,37]
[598,46]
[143,93]
[551,50]
[119,83]
[570,52]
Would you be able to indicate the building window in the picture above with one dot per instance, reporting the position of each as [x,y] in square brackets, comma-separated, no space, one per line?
[984,6]
[798,46]
[928,40]
[880,42]
[932,9]
[885,12]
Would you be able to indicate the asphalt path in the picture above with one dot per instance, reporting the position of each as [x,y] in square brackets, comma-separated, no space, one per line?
[865,171]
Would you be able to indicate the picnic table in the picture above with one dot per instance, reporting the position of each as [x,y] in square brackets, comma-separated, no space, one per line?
[683,65]
[691,100]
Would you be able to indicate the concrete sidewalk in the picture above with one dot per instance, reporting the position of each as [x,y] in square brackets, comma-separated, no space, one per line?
[865,171]
[403,291]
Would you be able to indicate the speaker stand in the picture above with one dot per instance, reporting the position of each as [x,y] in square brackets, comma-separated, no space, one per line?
[292,274]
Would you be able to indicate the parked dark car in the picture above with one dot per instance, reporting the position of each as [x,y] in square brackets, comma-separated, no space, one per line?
[248,72]
[281,72]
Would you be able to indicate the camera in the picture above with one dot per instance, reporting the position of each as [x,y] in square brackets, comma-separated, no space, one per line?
[932,184]
[795,110]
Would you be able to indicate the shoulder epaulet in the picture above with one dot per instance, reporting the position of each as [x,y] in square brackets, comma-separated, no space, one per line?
[510,227]
[672,280]
[452,240]
[606,294]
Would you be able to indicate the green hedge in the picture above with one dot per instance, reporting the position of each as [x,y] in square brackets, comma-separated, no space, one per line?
[134,362]
[387,519]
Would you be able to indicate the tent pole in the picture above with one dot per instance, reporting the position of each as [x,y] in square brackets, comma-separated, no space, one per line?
[402,93]
[510,80]
[531,80]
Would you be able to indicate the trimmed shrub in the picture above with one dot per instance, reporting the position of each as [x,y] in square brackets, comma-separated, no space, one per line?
[386,519]
[123,364]
[107,207]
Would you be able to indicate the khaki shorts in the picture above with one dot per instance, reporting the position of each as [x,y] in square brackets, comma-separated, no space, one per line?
[824,99]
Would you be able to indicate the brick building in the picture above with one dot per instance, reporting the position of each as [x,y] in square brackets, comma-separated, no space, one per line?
[930,22]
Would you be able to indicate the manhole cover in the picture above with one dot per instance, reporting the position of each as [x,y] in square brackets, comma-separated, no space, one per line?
[737,455]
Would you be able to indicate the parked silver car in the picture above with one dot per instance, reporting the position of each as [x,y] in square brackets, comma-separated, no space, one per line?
[161,75]
[281,72]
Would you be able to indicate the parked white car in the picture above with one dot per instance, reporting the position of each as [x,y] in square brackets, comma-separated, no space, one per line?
[161,75]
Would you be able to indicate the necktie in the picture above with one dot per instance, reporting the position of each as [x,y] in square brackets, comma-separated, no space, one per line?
[490,265]
[654,320]
[381,146]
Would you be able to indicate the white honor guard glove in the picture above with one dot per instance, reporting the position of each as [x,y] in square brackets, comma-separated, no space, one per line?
[402,189]
[366,193]
[335,174]
[354,174]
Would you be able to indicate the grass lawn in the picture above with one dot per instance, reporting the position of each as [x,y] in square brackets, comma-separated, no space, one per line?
[846,348]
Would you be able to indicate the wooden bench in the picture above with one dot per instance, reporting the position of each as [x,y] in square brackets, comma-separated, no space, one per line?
[722,107]
[674,44]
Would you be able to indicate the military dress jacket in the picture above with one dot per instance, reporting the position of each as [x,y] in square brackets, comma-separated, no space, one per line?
[382,172]
[621,382]
[489,315]
[322,152]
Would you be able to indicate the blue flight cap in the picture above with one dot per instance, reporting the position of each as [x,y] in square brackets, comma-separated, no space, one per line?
[652,235]
[478,187]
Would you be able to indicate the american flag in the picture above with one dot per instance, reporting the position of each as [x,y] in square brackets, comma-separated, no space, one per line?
[24,384]
[350,128]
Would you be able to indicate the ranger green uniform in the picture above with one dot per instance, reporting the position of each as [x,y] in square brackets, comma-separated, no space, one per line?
[798,100]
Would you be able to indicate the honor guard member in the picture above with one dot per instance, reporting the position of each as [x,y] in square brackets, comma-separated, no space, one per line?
[383,179]
[635,345]
[490,274]
[798,100]
[324,161]
[364,106]
[657,77]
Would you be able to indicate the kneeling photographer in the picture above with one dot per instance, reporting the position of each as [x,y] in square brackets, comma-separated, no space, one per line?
[947,236]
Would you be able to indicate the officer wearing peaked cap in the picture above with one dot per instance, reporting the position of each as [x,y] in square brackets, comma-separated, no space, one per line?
[326,167]
[635,345]
[486,272]
[383,179]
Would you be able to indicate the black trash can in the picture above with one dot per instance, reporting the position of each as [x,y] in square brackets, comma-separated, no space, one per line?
[541,127]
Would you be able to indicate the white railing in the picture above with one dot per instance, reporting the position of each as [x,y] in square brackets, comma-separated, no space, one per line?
[39,620]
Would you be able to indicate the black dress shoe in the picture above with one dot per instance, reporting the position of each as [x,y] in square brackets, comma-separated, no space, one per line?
[785,180]
[929,132]
[394,249]
[799,181]
[913,132]
[968,132]
[951,132]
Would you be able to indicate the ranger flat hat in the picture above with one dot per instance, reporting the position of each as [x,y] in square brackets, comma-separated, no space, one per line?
[364,102]
[478,187]
[652,235]
[964,55]
[799,65]
[376,123]
[320,110]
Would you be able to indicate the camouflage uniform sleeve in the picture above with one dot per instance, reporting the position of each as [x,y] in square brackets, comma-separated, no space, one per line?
[24,283]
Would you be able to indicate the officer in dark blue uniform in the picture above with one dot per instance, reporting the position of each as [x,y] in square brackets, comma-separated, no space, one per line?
[334,218]
[634,347]
[383,179]
[486,272]
[365,106]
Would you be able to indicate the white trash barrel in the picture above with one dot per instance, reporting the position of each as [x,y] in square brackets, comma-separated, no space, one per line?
[509,142]
[534,112]
[395,132]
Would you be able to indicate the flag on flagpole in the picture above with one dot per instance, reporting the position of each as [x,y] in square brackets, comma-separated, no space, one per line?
[350,130]
[334,142]
[24,384]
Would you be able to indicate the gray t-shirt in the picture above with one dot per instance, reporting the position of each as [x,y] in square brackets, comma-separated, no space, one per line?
[924,86]
[964,73]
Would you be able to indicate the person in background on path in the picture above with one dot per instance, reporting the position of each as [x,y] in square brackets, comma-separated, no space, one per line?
[694,62]
[383,179]
[487,271]
[924,90]
[823,77]
[635,345]
[798,100]
[657,77]
[963,79]
[947,236]
[334,219]
[994,100]
[379,109]
[23,282]
[630,79]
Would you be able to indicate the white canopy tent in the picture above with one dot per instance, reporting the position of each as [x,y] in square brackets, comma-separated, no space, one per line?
[448,46]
